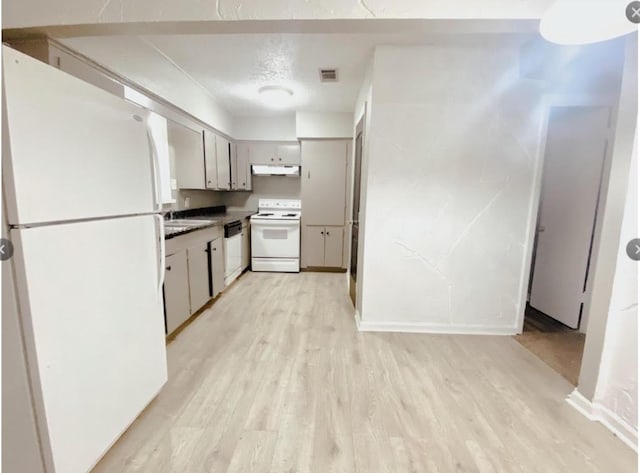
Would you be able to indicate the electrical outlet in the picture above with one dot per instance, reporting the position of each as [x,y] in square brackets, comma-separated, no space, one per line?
[187,202]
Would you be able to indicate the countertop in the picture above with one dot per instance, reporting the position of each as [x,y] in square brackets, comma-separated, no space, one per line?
[213,215]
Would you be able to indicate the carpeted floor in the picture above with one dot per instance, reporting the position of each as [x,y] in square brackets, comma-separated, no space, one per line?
[557,345]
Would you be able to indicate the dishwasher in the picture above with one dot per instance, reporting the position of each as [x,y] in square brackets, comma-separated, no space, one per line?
[232,251]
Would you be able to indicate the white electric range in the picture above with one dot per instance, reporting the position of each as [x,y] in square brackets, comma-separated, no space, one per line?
[275,236]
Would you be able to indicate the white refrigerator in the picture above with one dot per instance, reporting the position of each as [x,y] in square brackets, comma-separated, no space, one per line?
[82,210]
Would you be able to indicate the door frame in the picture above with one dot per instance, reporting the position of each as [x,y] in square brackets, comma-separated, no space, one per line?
[548,102]
[354,287]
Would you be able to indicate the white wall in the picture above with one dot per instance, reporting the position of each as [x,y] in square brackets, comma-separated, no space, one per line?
[617,388]
[275,128]
[183,92]
[315,125]
[451,150]
[264,187]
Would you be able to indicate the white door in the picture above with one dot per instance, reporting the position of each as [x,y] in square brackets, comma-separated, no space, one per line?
[324,165]
[275,239]
[232,257]
[90,297]
[574,155]
[76,151]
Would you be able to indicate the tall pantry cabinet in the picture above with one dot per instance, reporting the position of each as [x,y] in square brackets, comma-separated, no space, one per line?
[324,203]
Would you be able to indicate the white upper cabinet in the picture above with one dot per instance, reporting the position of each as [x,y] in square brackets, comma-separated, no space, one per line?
[223,162]
[324,169]
[187,151]
[274,153]
[288,154]
[240,169]
[210,160]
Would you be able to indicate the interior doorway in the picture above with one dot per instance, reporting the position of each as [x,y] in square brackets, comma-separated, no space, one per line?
[574,156]
[355,211]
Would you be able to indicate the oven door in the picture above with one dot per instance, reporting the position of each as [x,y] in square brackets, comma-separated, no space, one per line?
[275,238]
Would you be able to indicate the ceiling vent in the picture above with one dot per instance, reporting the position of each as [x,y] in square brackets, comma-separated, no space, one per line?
[328,75]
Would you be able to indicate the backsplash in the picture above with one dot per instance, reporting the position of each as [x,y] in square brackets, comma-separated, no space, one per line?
[264,187]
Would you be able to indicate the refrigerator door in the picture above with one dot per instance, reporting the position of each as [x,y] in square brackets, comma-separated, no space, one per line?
[91,308]
[77,152]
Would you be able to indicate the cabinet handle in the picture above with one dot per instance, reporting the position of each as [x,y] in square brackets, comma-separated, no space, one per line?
[308,174]
[327,233]
[272,159]
[168,268]
[279,159]
[208,182]
[321,233]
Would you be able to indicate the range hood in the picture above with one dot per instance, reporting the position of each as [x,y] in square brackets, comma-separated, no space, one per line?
[267,170]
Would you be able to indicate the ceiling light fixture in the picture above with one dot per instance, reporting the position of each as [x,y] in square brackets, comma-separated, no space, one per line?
[574,22]
[275,96]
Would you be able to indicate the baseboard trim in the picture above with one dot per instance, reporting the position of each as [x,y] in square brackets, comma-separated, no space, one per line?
[450,329]
[599,413]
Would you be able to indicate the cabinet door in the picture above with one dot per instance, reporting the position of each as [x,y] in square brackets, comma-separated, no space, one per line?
[176,291]
[288,154]
[233,165]
[312,246]
[210,161]
[187,150]
[198,276]
[223,162]
[324,182]
[217,266]
[246,247]
[262,153]
[333,246]
[243,168]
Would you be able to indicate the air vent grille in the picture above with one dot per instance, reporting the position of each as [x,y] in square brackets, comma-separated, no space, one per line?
[328,75]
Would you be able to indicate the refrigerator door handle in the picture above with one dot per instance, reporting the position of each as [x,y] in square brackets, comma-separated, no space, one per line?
[157,204]
[162,253]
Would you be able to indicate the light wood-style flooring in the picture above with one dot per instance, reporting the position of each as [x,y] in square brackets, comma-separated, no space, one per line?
[557,345]
[275,378]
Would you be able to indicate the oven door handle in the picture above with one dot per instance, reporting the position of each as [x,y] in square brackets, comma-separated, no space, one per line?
[275,223]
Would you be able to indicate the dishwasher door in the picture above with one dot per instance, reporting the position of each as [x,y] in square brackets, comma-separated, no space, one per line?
[233,258]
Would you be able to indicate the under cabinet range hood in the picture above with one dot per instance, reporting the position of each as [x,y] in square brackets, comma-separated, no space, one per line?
[267,170]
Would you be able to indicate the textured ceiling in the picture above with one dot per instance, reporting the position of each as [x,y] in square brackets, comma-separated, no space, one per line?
[231,68]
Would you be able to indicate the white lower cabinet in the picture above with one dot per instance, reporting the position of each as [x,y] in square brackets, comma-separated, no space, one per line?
[322,246]
[176,290]
[198,261]
[194,274]
[216,261]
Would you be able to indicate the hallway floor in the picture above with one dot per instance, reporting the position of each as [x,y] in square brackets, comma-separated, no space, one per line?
[275,378]
[554,343]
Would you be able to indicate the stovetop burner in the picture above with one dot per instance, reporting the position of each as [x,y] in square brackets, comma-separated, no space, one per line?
[289,215]
[265,215]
